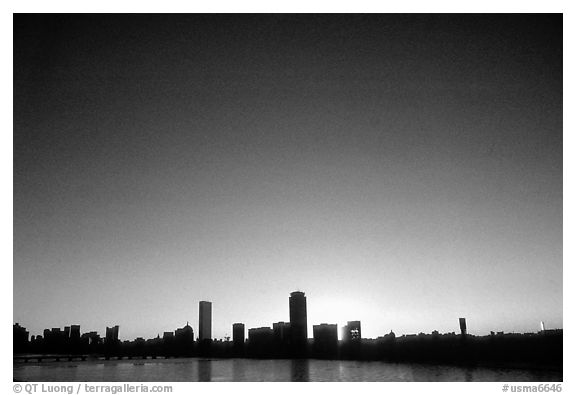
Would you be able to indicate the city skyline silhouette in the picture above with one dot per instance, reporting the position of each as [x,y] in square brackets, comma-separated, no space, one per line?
[289,340]
[297,333]
[404,170]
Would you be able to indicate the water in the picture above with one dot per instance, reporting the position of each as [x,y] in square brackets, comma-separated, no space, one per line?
[195,369]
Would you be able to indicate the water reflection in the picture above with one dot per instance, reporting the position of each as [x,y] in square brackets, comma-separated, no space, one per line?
[238,370]
[205,370]
[468,374]
[300,370]
[253,370]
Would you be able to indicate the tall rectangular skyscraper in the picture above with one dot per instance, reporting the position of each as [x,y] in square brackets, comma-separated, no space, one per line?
[205,324]
[462,326]
[298,321]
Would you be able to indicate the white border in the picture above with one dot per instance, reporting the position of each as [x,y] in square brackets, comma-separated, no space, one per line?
[229,6]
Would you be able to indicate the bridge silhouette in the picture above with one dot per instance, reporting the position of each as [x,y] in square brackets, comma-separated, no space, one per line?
[76,357]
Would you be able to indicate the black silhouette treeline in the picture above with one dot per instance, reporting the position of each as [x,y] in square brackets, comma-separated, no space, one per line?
[290,340]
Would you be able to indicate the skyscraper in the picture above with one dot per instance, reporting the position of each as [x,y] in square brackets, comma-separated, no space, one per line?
[205,324]
[298,321]
[463,326]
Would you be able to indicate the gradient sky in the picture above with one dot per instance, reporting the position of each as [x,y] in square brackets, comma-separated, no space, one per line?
[404,171]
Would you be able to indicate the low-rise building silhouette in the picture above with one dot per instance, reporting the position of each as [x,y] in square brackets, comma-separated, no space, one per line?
[112,334]
[352,332]
[238,337]
[325,340]
[281,332]
[184,340]
[20,338]
[74,333]
[261,341]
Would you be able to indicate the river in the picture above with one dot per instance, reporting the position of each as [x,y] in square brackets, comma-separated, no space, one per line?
[196,369]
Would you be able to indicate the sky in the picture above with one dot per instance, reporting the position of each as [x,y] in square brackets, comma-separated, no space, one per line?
[401,170]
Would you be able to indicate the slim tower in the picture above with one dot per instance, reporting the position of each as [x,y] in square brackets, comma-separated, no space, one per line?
[463,326]
[205,324]
[298,321]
